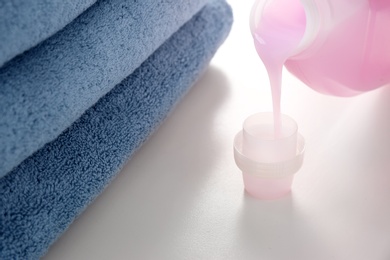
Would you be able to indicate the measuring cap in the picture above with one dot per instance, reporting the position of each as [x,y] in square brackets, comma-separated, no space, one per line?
[268,155]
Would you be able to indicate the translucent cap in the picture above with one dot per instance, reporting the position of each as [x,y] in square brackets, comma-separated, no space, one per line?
[268,162]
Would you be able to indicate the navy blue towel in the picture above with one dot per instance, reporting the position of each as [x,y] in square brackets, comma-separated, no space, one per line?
[45,90]
[42,196]
[23,24]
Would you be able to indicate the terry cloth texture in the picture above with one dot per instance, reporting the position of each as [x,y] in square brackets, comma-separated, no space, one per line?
[45,90]
[42,196]
[23,24]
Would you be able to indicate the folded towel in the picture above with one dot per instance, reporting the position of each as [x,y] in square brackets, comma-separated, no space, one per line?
[44,194]
[45,90]
[23,24]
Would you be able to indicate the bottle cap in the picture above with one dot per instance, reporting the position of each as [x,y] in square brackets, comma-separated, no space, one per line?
[268,160]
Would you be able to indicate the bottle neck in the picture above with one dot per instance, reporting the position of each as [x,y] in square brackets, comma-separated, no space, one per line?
[315,12]
[322,16]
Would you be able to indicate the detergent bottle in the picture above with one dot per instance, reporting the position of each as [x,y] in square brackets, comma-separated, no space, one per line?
[336,47]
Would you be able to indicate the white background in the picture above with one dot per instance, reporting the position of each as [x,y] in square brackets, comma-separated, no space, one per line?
[181,196]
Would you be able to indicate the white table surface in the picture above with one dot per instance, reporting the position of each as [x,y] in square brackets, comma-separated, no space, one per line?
[181,196]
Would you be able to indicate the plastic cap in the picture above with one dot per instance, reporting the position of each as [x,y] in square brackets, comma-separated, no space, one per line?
[268,163]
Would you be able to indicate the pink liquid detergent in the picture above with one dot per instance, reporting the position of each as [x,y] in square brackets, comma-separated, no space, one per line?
[342,50]
[277,35]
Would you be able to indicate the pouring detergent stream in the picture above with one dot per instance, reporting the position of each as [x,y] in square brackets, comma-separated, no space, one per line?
[277,28]
[269,149]
[336,47]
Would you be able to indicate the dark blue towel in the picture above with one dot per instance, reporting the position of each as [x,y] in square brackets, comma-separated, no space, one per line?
[45,90]
[44,194]
[23,24]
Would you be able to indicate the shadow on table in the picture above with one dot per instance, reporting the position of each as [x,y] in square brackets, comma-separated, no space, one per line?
[139,208]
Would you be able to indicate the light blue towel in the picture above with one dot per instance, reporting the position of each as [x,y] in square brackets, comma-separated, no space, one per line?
[44,194]
[23,24]
[43,91]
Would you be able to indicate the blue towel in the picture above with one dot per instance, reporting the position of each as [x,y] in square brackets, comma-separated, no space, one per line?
[45,90]
[42,196]
[23,24]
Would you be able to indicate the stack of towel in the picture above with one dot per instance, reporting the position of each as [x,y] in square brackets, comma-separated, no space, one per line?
[83,84]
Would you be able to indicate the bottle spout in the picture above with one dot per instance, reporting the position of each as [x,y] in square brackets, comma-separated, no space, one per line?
[278,26]
[256,14]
